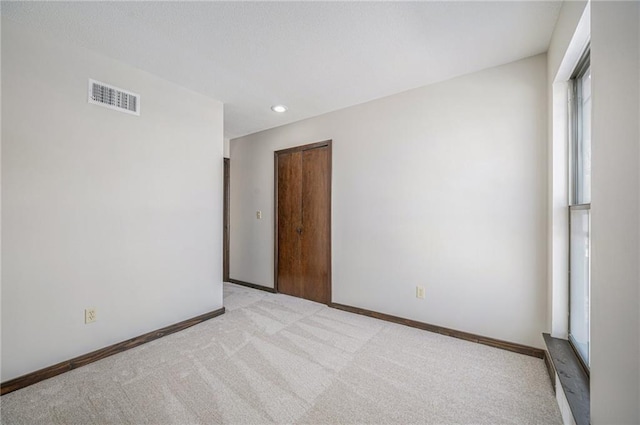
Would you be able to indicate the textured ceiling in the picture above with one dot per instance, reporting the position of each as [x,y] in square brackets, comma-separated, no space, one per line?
[314,57]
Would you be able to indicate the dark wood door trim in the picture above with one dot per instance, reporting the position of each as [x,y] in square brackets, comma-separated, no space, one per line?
[327,144]
[226,219]
[304,147]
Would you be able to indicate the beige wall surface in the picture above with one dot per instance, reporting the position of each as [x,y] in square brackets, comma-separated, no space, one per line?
[615,241]
[443,186]
[101,209]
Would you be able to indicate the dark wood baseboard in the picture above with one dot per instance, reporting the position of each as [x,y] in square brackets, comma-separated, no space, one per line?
[492,342]
[253,285]
[85,359]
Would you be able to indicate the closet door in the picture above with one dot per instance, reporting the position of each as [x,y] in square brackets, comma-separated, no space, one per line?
[289,217]
[303,239]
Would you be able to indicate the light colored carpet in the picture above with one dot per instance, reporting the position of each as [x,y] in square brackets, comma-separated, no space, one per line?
[277,359]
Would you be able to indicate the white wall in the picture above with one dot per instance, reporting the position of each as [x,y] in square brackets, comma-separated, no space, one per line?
[615,349]
[443,186]
[101,209]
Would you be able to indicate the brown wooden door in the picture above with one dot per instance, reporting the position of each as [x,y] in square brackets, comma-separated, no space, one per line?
[303,240]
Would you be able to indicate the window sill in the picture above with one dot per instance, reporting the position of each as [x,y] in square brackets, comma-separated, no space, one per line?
[573,378]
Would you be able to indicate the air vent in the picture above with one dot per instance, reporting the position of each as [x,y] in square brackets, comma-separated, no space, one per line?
[113,98]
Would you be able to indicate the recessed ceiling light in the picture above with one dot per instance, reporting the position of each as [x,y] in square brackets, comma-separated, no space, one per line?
[279,108]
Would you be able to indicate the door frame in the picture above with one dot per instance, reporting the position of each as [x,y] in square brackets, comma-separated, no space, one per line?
[327,144]
[226,222]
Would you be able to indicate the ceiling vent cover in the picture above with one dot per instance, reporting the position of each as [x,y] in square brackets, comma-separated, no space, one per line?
[113,97]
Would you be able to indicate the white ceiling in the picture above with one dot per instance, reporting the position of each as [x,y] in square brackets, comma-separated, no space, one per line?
[314,57]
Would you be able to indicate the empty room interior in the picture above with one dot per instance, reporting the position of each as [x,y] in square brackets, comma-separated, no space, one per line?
[320,212]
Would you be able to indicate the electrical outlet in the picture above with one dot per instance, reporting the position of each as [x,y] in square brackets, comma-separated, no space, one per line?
[420,292]
[89,315]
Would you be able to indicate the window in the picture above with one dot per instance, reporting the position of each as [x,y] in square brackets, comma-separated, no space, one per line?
[580,209]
